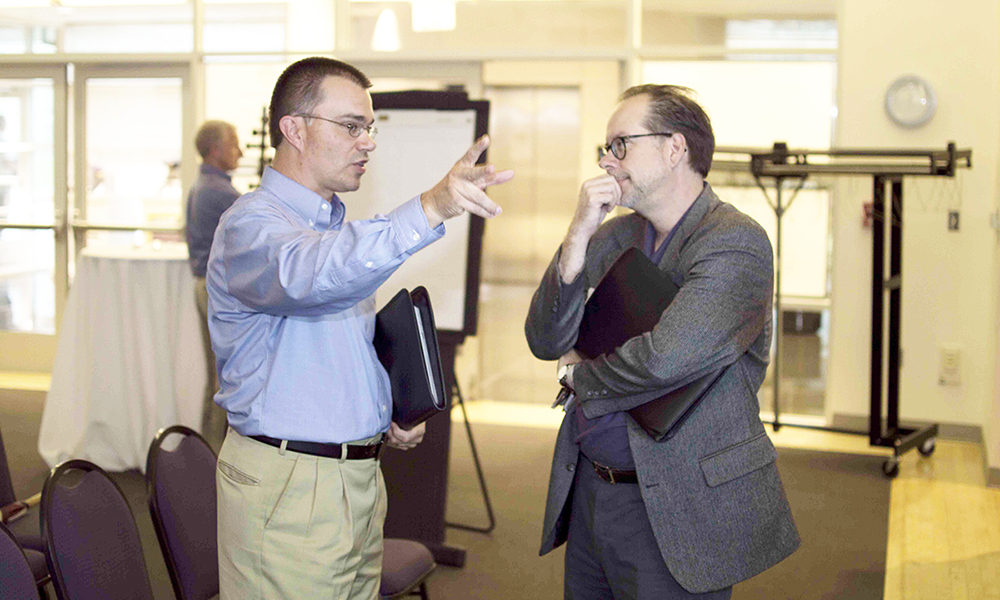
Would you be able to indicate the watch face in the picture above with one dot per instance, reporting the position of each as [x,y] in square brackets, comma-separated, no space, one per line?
[910,101]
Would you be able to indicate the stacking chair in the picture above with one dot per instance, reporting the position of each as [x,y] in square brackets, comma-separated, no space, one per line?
[182,502]
[22,521]
[181,486]
[405,567]
[94,550]
[17,582]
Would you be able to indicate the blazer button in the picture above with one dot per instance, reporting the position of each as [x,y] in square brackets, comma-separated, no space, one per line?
[570,467]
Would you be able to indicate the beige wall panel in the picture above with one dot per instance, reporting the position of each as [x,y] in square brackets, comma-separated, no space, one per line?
[497,25]
[950,292]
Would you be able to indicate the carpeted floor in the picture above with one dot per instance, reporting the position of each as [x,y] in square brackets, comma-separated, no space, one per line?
[840,502]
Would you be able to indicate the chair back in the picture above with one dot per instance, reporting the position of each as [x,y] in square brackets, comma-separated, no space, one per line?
[95,552]
[16,580]
[180,479]
[6,485]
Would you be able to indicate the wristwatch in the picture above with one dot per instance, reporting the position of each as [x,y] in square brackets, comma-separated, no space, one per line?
[566,394]
[563,375]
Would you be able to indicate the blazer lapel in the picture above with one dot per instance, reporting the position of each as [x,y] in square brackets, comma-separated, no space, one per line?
[690,223]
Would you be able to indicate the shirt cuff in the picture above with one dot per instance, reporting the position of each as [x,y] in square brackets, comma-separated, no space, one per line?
[410,223]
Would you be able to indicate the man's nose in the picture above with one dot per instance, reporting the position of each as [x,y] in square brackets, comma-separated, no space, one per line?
[366,143]
[607,161]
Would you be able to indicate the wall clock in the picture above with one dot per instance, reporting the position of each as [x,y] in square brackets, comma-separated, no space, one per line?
[910,101]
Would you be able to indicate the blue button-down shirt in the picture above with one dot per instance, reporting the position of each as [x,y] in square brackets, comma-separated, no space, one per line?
[210,196]
[292,311]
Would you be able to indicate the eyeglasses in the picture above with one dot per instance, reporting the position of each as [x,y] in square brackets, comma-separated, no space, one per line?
[353,129]
[617,145]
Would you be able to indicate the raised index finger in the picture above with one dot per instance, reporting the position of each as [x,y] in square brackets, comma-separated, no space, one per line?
[473,154]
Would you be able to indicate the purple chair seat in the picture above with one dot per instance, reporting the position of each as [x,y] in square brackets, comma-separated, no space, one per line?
[405,566]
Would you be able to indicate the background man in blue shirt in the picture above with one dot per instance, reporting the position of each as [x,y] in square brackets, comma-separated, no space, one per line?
[209,197]
[291,285]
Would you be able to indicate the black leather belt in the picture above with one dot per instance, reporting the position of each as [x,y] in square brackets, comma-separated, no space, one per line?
[324,450]
[615,475]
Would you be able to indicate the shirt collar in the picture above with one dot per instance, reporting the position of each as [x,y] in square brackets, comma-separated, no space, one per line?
[210,170]
[313,208]
[650,239]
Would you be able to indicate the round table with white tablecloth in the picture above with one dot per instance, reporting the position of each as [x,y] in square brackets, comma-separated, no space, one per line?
[129,359]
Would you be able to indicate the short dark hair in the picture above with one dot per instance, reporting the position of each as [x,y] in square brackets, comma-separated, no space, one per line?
[210,135]
[671,108]
[298,89]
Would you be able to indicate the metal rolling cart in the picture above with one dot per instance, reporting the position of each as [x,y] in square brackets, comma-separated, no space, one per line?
[887,169]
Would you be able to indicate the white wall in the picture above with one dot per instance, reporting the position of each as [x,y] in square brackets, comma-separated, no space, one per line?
[949,278]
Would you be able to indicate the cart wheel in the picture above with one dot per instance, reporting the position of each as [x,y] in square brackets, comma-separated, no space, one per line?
[890,468]
[927,448]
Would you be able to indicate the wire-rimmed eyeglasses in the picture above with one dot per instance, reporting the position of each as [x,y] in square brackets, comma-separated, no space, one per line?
[353,129]
[617,145]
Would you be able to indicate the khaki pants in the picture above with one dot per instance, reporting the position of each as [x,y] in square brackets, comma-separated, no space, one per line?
[297,526]
[213,418]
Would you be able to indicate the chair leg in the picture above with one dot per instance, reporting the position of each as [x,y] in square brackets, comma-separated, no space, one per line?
[423,590]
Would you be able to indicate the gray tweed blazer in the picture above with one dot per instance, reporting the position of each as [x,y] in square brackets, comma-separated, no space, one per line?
[712,491]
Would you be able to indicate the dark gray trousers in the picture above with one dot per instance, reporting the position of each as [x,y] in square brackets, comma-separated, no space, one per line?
[611,551]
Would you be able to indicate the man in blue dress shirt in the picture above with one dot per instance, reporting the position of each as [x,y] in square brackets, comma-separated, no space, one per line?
[209,197]
[291,283]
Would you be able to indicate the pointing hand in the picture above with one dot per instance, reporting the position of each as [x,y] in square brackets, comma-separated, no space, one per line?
[461,190]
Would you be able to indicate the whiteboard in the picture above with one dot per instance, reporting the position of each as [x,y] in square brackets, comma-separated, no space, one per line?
[416,148]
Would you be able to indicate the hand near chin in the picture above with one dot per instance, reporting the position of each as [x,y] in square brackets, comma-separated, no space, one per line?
[598,197]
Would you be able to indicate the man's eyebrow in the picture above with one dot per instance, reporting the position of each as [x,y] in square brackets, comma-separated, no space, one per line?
[354,117]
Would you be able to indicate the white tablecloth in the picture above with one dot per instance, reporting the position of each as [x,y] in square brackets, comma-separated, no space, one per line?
[129,359]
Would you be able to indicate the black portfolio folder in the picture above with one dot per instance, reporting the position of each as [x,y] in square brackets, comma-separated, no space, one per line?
[407,345]
[628,302]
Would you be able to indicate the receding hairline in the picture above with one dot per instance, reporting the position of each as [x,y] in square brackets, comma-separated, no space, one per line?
[321,97]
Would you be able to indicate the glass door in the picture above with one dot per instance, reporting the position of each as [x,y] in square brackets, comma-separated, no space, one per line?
[33,197]
[133,132]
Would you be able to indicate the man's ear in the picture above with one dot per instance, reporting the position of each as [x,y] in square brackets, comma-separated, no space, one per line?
[675,147]
[293,131]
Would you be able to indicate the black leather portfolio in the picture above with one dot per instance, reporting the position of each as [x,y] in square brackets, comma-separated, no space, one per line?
[628,302]
[407,345]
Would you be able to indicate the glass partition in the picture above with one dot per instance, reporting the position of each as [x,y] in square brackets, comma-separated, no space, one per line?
[133,150]
[27,196]
[27,282]
[755,103]
[26,150]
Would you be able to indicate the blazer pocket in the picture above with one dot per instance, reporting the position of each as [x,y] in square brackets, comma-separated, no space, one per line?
[738,460]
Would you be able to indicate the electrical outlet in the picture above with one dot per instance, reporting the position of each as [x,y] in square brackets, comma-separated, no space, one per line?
[952,220]
[951,365]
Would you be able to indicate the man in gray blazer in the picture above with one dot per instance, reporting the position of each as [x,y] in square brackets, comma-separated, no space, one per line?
[689,516]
